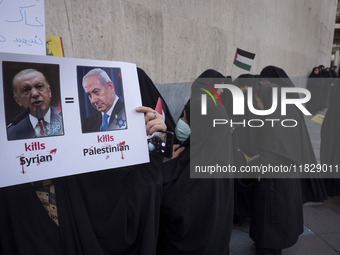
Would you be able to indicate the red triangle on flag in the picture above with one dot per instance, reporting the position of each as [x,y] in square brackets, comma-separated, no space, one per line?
[158,107]
[235,56]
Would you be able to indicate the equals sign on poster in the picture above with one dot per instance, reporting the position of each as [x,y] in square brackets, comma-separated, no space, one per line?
[69,100]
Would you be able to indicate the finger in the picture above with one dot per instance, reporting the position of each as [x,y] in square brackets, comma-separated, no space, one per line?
[154,121]
[175,146]
[151,128]
[151,116]
[149,123]
[180,150]
[150,113]
[144,109]
[176,153]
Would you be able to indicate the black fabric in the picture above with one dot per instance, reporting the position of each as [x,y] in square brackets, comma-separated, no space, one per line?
[334,73]
[276,75]
[291,143]
[25,230]
[107,212]
[314,85]
[244,143]
[242,189]
[276,220]
[196,214]
[300,150]
[247,136]
[150,96]
[264,251]
[330,137]
[327,82]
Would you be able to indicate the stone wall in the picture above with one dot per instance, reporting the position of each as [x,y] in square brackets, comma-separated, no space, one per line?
[174,41]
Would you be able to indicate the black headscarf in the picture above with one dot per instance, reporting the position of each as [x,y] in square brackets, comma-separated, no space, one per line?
[115,211]
[327,73]
[281,140]
[276,75]
[196,214]
[314,85]
[321,68]
[150,95]
[333,72]
[209,76]
[313,75]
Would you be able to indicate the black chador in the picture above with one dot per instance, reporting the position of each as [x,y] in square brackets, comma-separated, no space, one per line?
[196,213]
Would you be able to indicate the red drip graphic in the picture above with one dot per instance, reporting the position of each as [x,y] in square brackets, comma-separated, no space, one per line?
[22,166]
[122,144]
[54,151]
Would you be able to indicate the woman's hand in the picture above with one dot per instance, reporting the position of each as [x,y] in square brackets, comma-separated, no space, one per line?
[153,120]
[176,150]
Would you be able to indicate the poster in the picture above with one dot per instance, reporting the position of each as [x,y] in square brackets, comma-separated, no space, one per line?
[22,27]
[70,140]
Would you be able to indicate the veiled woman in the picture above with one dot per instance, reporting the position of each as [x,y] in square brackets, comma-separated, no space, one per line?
[196,213]
[314,85]
[313,189]
[277,220]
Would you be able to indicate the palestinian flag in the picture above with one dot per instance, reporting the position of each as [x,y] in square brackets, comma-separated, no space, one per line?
[244,59]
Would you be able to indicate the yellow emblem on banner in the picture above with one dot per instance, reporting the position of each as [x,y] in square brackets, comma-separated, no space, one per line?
[54,46]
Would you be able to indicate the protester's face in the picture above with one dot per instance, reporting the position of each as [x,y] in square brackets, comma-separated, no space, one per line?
[101,97]
[33,92]
[316,71]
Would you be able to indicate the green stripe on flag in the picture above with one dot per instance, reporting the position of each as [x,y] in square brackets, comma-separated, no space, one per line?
[242,65]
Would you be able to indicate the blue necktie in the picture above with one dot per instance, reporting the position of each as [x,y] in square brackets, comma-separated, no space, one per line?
[105,124]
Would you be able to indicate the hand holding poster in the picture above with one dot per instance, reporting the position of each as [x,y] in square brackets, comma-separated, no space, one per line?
[81,117]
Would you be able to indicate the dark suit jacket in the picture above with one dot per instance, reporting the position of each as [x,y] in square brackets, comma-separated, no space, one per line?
[24,129]
[117,119]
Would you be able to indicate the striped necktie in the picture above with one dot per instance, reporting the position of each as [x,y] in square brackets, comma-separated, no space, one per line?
[42,125]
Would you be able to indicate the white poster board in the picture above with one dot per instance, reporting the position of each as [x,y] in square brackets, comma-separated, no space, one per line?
[22,27]
[74,150]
